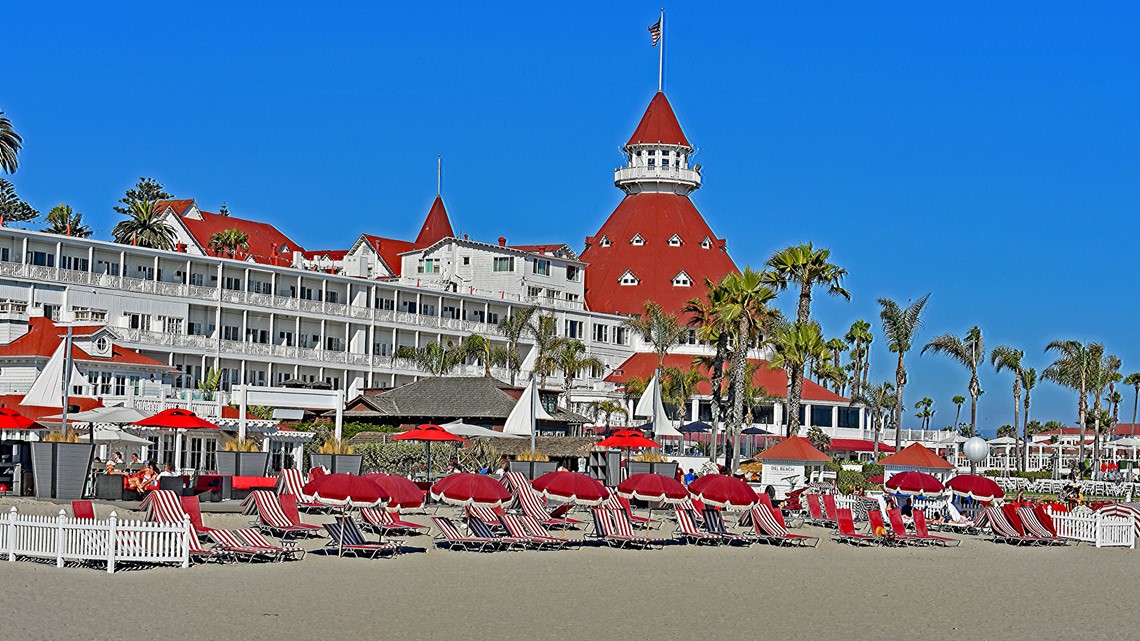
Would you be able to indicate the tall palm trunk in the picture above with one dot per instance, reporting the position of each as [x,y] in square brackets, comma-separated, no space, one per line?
[1016,407]
[1096,430]
[1135,402]
[1082,411]
[900,381]
[1026,435]
[717,381]
[795,397]
[739,369]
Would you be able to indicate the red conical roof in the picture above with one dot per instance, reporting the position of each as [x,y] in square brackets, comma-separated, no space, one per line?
[656,218]
[659,125]
[436,226]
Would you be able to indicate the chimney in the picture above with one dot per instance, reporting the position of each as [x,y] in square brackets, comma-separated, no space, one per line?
[502,241]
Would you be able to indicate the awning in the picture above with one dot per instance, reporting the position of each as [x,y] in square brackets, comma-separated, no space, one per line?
[858,445]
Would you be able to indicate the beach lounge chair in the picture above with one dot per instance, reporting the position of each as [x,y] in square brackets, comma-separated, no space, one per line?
[1035,528]
[192,508]
[695,506]
[1003,530]
[921,533]
[288,504]
[291,482]
[517,484]
[286,550]
[381,521]
[829,511]
[163,506]
[202,554]
[271,517]
[768,523]
[815,512]
[82,510]
[489,516]
[687,529]
[227,541]
[846,530]
[714,524]
[879,531]
[345,537]
[532,506]
[536,529]
[517,530]
[481,529]
[615,529]
[616,502]
[450,537]
[898,527]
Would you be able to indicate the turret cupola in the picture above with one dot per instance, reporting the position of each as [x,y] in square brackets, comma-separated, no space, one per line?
[658,155]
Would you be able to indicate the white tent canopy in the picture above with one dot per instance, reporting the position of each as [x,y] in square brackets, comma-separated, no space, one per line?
[47,389]
[459,428]
[522,418]
[650,405]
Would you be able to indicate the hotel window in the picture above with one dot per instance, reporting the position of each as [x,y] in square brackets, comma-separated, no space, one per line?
[821,416]
[466,260]
[534,292]
[706,243]
[232,283]
[428,309]
[682,280]
[573,273]
[628,279]
[5,255]
[285,338]
[601,333]
[651,161]
[334,297]
[571,297]
[605,242]
[171,325]
[231,333]
[542,267]
[637,240]
[385,303]
[503,264]
[428,266]
[621,336]
[307,293]
[197,280]
[575,329]
[43,259]
[73,263]
[674,241]
[140,322]
[492,318]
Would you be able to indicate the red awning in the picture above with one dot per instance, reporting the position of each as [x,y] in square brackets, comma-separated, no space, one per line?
[859,445]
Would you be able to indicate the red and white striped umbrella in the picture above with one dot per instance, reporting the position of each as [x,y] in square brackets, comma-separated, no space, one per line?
[724,491]
[654,488]
[470,489]
[915,484]
[979,488]
[346,489]
[571,486]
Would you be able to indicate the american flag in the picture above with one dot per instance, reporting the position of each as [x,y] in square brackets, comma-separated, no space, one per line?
[655,31]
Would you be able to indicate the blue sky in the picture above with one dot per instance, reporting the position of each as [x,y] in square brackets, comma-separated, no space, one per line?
[986,153]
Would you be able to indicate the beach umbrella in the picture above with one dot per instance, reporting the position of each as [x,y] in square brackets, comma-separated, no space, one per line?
[723,491]
[979,488]
[404,493]
[465,489]
[459,428]
[179,420]
[427,434]
[112,415]
[653,488]
[572,487]
[628,439]
[12,420]
[876,479]
[345,490]
[915,484]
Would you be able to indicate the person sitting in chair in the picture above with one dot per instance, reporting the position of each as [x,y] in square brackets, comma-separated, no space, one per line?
[142,479]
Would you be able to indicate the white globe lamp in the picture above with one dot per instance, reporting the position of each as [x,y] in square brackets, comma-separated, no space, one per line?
[976,449]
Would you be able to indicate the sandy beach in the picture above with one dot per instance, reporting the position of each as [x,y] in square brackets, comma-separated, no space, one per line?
[980,590]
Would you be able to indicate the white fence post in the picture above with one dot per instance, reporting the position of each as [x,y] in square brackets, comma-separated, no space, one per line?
[12,534]
[60,537]
[188,532]
[111,543]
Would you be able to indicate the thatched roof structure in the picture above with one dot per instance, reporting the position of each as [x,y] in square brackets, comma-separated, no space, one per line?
[553,446]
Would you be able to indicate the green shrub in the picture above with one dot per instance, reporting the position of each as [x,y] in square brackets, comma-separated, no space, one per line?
[872,469]
[848,479]
[400,458]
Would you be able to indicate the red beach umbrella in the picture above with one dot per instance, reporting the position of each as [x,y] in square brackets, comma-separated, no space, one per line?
[176,419]
[980,488]
[628,439]
[724,491]
[404,493]
[654,488]
[470,489]
[346,489]
[877,479]
[914,483]
[428,433]
[571,486]
[12,420]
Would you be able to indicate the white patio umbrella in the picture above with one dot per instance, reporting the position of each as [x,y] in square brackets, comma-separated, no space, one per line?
[459,428]
[109,435]
[110,415]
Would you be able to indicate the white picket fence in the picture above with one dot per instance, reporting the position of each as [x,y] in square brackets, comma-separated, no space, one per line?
[1098,529]
[109,541]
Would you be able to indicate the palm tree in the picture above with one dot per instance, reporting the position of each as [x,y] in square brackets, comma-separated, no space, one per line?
[1071,369]
[606,409]
[513,326]
[859,337]
[969,351]
[229,241]
[544,329]
[144,227]
[1133,379]
[924,411]
[837,346]
[658,328]
[570,357]
[744,308]
[14,209]
[880,403]
[62,220]
[712,329]
[10,142]
[678,386]
[210,383]
[486,352]
[1106,368]
[1004,357]
[1007,431]
[794,346]
[958,400]
[900,325]
[437,359]
[1028,376]
[805,267]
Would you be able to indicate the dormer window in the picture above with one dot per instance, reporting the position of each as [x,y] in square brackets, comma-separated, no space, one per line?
[628,279]
[682,280]
[605,241]
[706,243]
[675,241]
[637,240]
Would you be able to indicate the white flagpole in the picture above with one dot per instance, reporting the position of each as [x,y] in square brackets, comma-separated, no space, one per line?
[661,55]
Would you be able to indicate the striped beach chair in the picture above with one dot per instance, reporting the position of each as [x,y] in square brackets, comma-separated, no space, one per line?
[192,508]
[291,482]
[481,529]
[714,524]
[517,484]
[451,538]
[345,537]
[536,529]
[271,517]
[615,530]
[770,528]
[687,530]
[381,521]
[620,503]
[228,541]
[1005,531]
[163,506]
[517,530]
[532,505]
[286,551]
[1035,528]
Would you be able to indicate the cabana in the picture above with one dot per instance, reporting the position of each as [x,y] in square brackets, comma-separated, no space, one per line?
[787,465]
[918,458]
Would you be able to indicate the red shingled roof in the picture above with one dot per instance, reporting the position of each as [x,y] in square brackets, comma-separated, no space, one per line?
[659,125]
[12,402]
[390,250]
[267,244]
[436,226]
[656,217]
[917,456]
[773,381]
[793,448]
[44,337]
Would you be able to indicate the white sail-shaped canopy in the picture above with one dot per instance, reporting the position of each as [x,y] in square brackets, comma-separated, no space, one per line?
[522,417]
[650,405]
[47,389]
